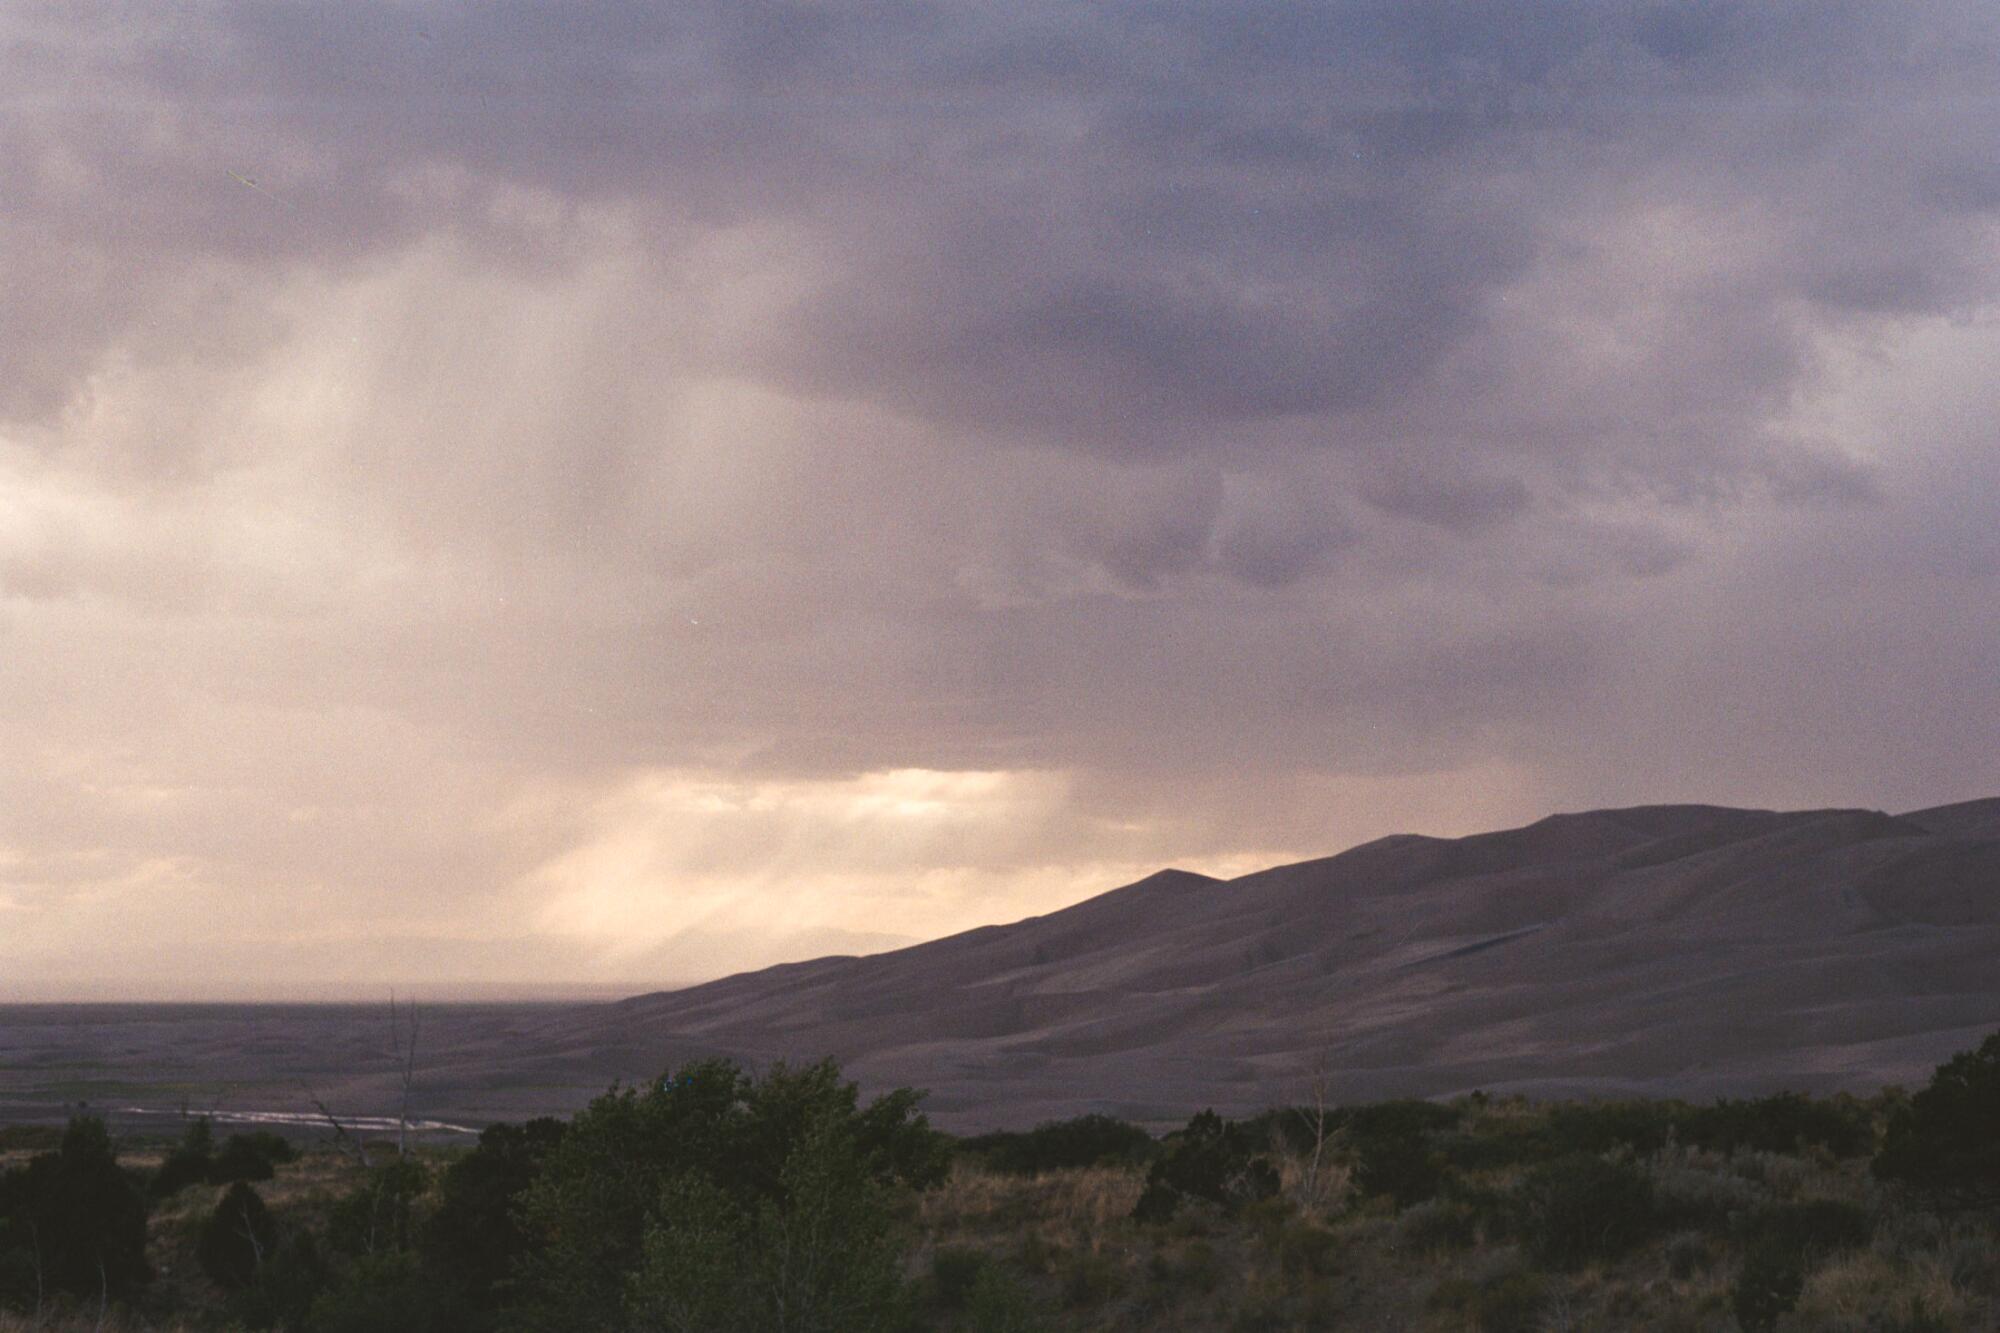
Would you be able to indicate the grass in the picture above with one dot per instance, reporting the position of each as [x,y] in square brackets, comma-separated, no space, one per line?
[1322,1255]
[1059,1250]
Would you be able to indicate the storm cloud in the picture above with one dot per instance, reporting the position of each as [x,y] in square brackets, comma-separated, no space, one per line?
[536,494]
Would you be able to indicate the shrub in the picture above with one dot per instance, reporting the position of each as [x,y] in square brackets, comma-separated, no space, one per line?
[817,1254]
[1816,1228]
[1195,1266]
[1512,1302]
[1944,1142]
[1090,1140]
[474,1241]
[1688,1255]
[1438,1224]
[189,1163]
[1089,1278]
[1000,1304]
[253,1156]
[236,1238]
[382,1293]
[733,1149]
[955,1270]
[381,1216]
[1580,1209]
[287,1282]
[1213,1160]
[1402,1166]
[1787,1122]
[1768,1286]
[73,1220]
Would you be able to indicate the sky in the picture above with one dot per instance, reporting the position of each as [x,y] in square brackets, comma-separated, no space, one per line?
[530,497]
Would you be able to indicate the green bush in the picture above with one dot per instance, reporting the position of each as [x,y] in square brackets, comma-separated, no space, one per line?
[253,1156]
[817,1253]
[189,1163]
[1815,1228]
[1581,1209]
[1090,1140]
[709,1156]
[1438,1224]
[382,1293]
[1945,1142]
[382,1216]
[73,1221]
[955,1272]
[236,1237]
[1403,1166]
[196,1160]
[474,1241]
[1001,1304]
[287,1282]
[1511,1302]
[1768,1286]
[1787,1122]
[1211,1159]
[1195,1266]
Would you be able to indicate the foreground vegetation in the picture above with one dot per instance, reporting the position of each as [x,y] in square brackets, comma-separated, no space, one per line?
[711,1200]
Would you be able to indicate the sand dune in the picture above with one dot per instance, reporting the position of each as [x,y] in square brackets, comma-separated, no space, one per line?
[1666,949]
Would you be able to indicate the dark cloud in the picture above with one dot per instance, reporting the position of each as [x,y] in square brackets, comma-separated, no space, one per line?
[464,453]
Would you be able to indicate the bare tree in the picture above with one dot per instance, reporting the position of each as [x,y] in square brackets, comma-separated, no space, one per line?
[1320,1179]
[346,1142]
[405,1047]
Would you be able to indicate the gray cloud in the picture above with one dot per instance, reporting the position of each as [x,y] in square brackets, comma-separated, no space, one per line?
[1238,428]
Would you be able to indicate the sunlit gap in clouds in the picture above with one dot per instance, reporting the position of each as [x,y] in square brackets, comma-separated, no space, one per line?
[716,872]
[693,875]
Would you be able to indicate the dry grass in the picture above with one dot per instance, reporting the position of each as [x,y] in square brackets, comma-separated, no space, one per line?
[1856,1292]
[1064,1206]
[87,1321]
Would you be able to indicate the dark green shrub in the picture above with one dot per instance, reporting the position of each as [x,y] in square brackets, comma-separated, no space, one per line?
[816,1254]
[1001,1304]
[1213,1160]
[1089,1278]
[1195,1266]
[1438,1224]
[955,1271]
[474,1241]
[253,1156]
[236,1237]
[1508,1303]
[73,1220]
[382,1293]
[1945,1142]
[1090,1140]
[1787,1122]
[189,1163]
[1688,1255]
[381,1216]
[1581,1209]
[1813,1229]
[735,1146]
[1402,1166]
[1512,1304]
[290,1279]
[1768,1286]
[1305,1249]
[1602,1127]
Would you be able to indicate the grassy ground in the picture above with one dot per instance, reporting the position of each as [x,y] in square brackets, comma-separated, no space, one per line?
[1321,1256]
[992,1252]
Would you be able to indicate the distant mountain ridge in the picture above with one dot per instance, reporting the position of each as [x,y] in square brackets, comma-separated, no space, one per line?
[1665,950]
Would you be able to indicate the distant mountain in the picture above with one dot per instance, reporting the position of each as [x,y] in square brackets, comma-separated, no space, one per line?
[1687,950]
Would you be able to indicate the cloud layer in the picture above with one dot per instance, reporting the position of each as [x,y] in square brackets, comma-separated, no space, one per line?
[520,494]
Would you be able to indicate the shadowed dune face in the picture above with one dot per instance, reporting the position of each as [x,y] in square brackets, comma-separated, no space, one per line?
[1671,950]
[1665,949]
